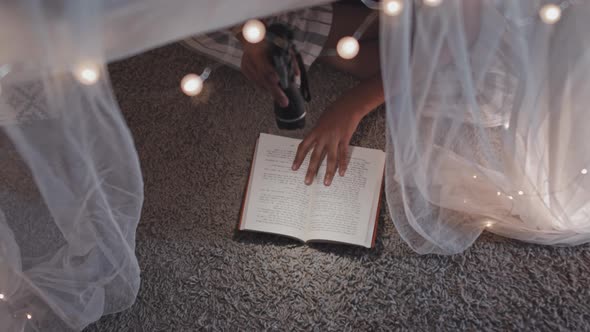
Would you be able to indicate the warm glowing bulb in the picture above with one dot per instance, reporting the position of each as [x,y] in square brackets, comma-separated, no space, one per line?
[87,73]
[1,296]
[498,193]
[510,197]
[584,171]
[191,84]
[489,224]
[254,31]
[432,3]
[347,47]
[520,192]
[550,13]
[475,176]
[29,316]
[392,7]
[507,125]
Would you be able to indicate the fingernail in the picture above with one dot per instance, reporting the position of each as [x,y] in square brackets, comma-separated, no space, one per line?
[285,103]
[327,182]
[294,167]
[307,181]
[341,172]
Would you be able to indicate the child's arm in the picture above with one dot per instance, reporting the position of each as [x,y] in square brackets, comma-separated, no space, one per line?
[336,126]
[332,134]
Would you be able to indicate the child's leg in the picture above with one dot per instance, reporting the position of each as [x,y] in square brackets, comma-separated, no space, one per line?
[345,20]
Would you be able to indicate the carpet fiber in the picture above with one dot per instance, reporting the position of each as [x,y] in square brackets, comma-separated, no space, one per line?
[198,273]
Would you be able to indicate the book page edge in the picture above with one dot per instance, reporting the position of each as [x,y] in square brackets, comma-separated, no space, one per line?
[379,198]
[245,200]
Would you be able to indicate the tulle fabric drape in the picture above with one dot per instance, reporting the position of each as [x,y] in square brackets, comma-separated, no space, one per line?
[486,130]
[486,118]
[71,187]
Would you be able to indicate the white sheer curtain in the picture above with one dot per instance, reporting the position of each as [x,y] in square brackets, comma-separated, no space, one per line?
[71,188]
[486,111]
[486,127]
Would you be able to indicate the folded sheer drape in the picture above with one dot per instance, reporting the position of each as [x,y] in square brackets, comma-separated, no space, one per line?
[71,188]
[486,115]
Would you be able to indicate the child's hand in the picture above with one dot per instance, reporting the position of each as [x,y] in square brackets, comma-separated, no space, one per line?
[330,138]
[257,67]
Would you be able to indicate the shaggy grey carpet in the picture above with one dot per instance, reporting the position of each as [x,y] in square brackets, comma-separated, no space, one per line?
[199,274]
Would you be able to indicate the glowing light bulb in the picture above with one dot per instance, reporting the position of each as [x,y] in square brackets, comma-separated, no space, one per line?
[507,125]
[1,296]
[584,171]
[510,197]
[87,72]
[475,176]
[489,224]
[254,31]
[550,13]
[347,47]
[520,192]
[498,193]
[29,316]
[392,7]
[432,3]
[191,84]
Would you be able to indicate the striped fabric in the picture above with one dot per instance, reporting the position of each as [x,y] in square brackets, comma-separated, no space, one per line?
[311,27]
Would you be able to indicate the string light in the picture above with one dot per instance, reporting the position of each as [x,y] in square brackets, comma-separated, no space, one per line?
[432,3]
[550,13]
[510,197]
[254,31]
[475,176]
[520,192]
[87,72]
[392,7]
[584,171]
[1,296]
[191,84]
[29,316]
[489,224]
[347,47]
[507,125]
[498,193]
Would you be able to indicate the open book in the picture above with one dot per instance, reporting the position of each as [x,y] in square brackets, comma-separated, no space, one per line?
[278,201]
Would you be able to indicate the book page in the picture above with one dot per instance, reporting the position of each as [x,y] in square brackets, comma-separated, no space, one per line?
[344,211]
[278,200]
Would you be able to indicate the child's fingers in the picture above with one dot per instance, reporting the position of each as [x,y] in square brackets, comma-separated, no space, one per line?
[278,95]
[272,76]
[302,151]
[295,65]
[271,79]
[332,164]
